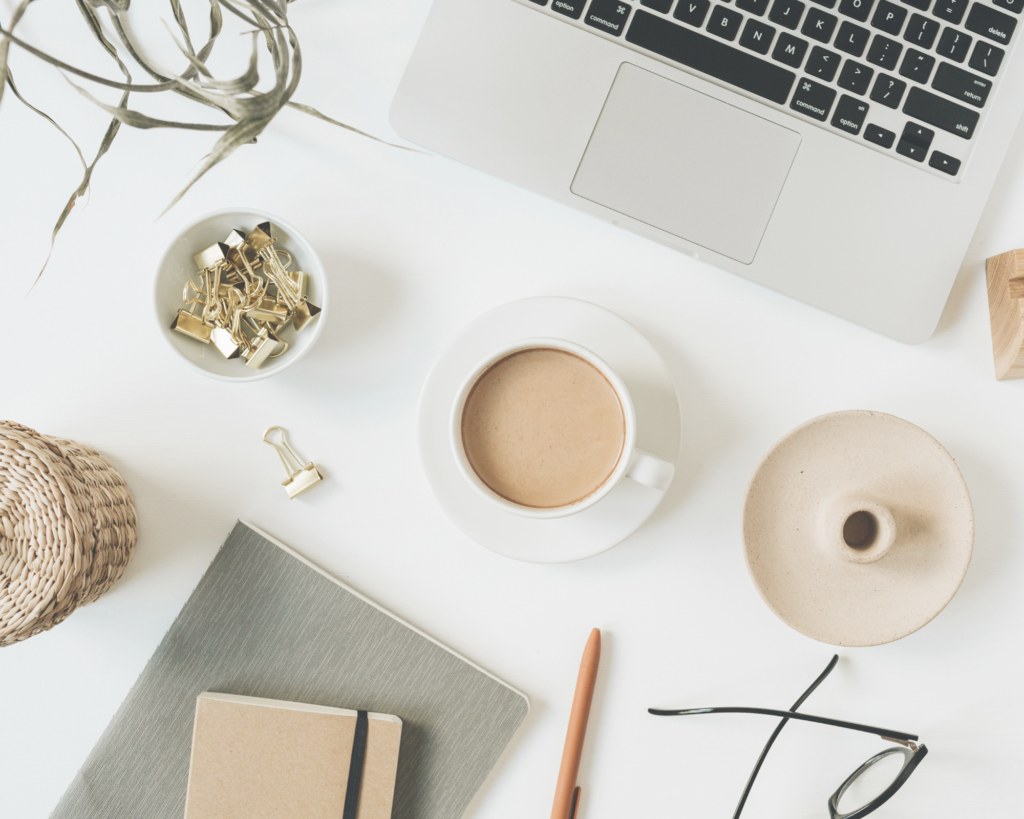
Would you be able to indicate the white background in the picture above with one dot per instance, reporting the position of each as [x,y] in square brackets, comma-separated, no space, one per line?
[417,246]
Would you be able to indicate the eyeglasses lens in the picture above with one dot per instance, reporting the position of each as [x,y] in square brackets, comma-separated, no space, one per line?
[873,778]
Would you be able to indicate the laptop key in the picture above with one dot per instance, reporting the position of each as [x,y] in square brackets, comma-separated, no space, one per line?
[917,4]
[691,11]
[725,23]
[658,5]
[879,136]
[962,85]
[986,58]
[822,64]
[889,17]
[857,9]
[952,11]
[790,50]
[786,13]
[813,99]
[941,112]
[829,4]
[888,91]
[921,31]
[758,7]
[917,66]
[850,114]
[990,23]
[710,56]
[570,8]
[855,77]
[852,39]
[915,141]
[818,25]
[610,16]
[884,52]
[954,45]
[1010,5]
[757,36]
[945,163]
[912,150]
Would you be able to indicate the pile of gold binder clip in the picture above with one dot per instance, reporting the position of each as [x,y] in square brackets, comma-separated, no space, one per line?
[247,296]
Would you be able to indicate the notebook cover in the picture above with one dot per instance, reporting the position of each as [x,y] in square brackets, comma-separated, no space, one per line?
[255,758]
[264,622]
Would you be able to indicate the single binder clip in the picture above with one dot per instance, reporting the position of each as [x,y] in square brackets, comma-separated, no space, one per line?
[300,478]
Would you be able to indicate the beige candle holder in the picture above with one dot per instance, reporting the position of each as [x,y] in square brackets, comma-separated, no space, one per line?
[858,528]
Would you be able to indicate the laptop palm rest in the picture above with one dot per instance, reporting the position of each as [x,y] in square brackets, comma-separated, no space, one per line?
[686,163]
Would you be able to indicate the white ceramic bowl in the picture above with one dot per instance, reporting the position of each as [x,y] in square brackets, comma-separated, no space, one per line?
[177,267]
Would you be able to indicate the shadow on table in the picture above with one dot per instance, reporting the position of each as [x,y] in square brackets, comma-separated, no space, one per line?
[973,265]
[706,428]
[364,297]
[513,749]
[995,524]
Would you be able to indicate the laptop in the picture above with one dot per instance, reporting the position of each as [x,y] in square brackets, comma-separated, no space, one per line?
[838,151]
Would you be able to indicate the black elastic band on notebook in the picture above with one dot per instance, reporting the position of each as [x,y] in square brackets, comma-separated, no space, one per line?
[355,767]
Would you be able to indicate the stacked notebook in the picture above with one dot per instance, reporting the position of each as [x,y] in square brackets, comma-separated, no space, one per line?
[265,623]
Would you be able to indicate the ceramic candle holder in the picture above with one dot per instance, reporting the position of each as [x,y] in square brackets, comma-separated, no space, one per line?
[857,528]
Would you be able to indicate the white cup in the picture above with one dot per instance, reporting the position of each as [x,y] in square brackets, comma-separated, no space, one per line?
[633,463]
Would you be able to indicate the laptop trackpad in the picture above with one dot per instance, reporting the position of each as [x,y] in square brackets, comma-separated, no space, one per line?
[686,163]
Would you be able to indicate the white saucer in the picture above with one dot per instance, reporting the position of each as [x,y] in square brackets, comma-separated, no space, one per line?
[626,351]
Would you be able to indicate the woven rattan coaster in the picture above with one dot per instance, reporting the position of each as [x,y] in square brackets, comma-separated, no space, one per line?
[67,529]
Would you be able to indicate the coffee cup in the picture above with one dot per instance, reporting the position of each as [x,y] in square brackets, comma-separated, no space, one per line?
[544,428]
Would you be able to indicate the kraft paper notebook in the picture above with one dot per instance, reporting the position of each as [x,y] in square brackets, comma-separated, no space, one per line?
[254,758]
[264,622]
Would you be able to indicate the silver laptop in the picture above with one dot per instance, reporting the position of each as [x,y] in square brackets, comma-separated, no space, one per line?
[838,151]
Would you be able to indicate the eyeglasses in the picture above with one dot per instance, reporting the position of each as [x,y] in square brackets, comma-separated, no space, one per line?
[867,788]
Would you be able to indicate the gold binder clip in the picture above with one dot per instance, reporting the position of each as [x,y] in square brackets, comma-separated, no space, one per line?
[300,478]
[186,321]
[303,311]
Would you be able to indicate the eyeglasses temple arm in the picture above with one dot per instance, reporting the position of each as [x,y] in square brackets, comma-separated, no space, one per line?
[771,712]
[778,730]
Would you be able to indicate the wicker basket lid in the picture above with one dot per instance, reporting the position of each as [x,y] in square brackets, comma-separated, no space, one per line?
[67,529]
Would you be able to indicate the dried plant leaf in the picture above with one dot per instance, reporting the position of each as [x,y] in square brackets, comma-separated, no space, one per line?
[306,109]
[112,6]
[231,7]
[44,115]
[5,43]
[121,86]
[239,85]
[108,137]
[179,18]
[139,120]
[239,99]
[241,133]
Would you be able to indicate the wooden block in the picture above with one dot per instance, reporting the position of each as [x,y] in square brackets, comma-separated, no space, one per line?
[1005,274]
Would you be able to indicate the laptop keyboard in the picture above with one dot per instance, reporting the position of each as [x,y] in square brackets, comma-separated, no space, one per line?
[911,79]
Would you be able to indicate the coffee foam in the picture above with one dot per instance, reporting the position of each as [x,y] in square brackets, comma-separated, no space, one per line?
[543,428]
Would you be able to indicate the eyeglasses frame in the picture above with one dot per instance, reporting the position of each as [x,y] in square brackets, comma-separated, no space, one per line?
[912,752]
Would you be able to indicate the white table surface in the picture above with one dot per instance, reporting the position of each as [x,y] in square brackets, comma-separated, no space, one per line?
[417,246]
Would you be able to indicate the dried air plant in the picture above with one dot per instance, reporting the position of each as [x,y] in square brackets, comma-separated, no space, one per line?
[249,109]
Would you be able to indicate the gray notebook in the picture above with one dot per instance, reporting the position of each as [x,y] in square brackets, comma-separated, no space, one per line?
[264,622]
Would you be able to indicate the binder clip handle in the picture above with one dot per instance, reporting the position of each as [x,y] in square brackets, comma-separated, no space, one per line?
[300,478]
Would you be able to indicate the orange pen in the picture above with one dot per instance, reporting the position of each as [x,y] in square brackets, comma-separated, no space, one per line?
[567,794]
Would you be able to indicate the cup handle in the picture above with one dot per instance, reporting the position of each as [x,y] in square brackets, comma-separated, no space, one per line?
[650,471]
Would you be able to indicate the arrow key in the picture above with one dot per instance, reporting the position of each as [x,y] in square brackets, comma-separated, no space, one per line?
[945,163]
[915,141]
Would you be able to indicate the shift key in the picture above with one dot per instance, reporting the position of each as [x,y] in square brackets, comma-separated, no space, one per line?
[940,112]
[962,85]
